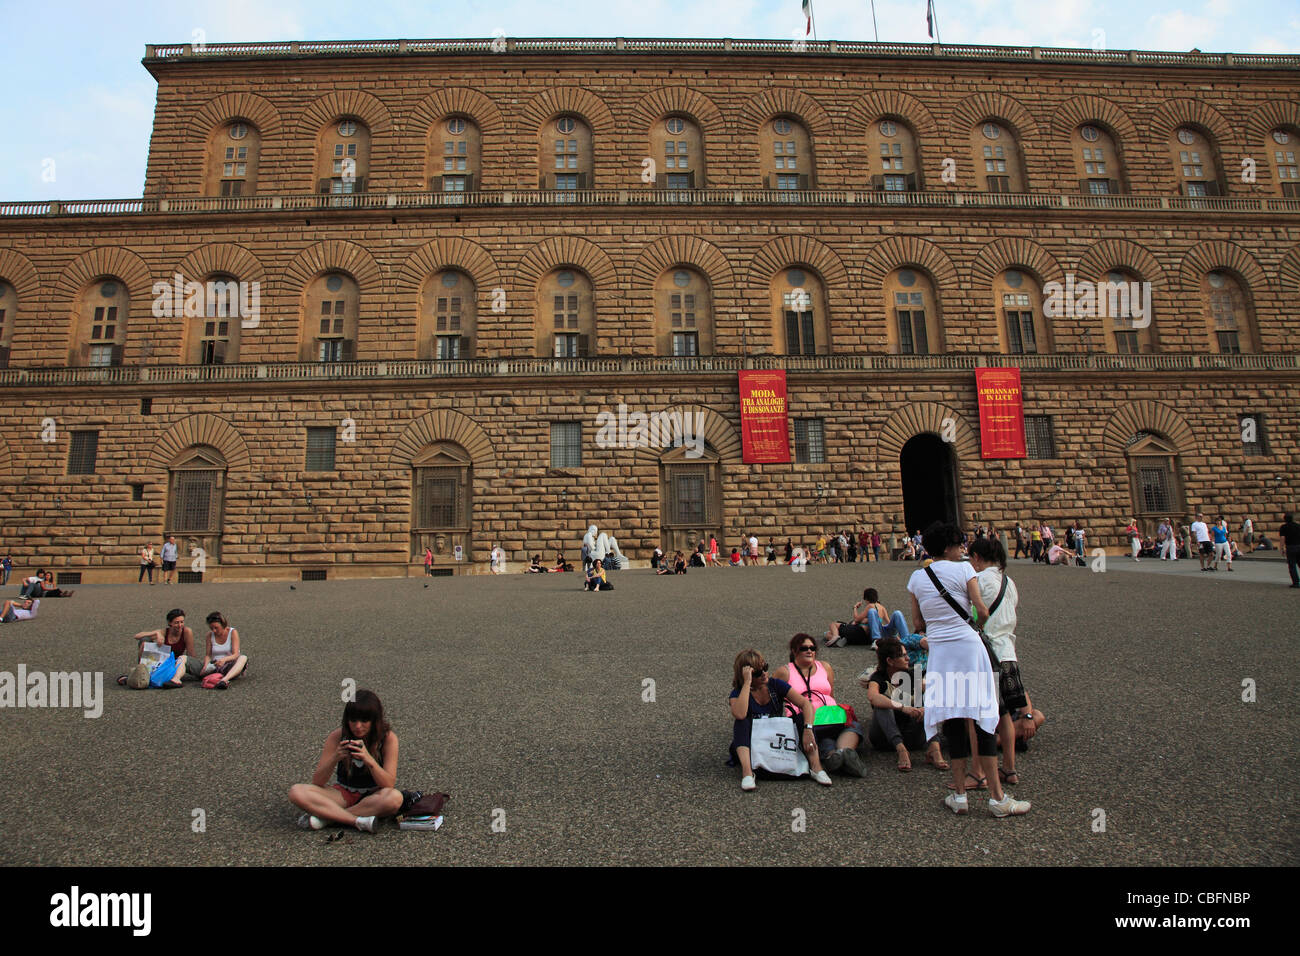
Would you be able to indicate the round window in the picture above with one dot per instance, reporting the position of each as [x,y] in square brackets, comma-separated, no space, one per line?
[1090,133]
[1186,137]
[782,127]
[1281,137]
[450,279]
[334,283]
[565,278]
[238,130]
[675,124]
[795,277]
[992,131]
[1015,279]
[108,290]
[347,128]
[888,128]
[565,124]
[1116,277]
[456,125]
[1218,280]
[906,277]
[681,278]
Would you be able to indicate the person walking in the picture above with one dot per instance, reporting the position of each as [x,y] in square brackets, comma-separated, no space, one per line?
[428,561]
[1290,535]
[1134,538]
[6,569]
[1248,533]
[875,544]
[1204,545]
[169,553]
[1221,549]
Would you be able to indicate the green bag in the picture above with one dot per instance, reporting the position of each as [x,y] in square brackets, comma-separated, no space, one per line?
[830,715]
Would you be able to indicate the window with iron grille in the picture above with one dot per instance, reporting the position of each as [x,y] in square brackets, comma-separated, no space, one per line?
[1126,343]
[1020,324]
[193,501]
[82,454]
[686,343]
[320,448]
[1039,442]
[1253,441]
[809,441]
[799,337]
[1155,484]
[689,494]
[566,444]
[439,505]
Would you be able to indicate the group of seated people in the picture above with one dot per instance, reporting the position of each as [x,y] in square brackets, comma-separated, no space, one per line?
[221,662]
[41,585]
[662,566]
[536,567]
[894,694]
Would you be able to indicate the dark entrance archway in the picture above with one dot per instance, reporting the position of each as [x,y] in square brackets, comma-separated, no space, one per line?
[928,471]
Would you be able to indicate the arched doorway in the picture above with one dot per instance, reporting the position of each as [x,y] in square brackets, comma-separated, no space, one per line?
[690,497]
[928,471]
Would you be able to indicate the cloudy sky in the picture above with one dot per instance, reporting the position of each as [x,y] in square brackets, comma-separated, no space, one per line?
[78,105]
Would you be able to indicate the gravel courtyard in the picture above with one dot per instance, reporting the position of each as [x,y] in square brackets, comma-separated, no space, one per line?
[522,696]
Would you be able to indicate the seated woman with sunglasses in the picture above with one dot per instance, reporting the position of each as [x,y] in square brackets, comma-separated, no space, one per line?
[837,743]
[894,724]
[753,695]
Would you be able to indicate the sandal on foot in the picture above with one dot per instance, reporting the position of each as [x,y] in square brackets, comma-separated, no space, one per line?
[1005,777]
[981,783]
[905,768]
[939,763]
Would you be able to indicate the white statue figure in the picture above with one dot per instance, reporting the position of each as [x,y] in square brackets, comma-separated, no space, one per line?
[615,554]
[602,548]
[498,560]
[588,547]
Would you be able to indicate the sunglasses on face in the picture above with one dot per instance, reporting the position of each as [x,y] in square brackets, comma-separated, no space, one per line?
[761,669]
[808,647]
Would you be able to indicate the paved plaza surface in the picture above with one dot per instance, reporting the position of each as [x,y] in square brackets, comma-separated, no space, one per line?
[522,696]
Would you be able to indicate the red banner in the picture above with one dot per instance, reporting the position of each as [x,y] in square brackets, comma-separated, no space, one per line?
[764,419]
[1002,413]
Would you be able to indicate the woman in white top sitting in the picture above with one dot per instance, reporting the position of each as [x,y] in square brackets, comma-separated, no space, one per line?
[223,655]
[989,559]
[959,666]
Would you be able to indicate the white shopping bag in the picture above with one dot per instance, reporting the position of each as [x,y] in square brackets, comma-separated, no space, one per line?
[774,747]
[154,654]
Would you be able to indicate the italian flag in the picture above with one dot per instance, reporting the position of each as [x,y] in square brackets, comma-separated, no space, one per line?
[807,12]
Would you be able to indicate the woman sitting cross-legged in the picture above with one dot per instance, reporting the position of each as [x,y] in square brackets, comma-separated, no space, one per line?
[363,754]
[837,743]
[894,724]
[596,579]
[754,696]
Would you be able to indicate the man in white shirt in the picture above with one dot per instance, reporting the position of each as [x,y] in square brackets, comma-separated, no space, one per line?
[169,559]
[1168,541]
[1248,534]
[752,556]
[1201,534]
[18,611]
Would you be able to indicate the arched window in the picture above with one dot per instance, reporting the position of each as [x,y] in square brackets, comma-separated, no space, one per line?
[1156,487]
[677,147]
[233,150]
[196,487]
[683,313]
[100,321]
[1096,160]
[914,325]
[893,159]
[800,323]
[1195,162]
[441,505]
[330,309]
[343,163]
[448,317]
[1018,301]
[999,167]
[786,155]
[565,154]
[214,336]
[1284,144]
[566,315]
[1124,307]
[8,312]
[1228,313]
[455,152]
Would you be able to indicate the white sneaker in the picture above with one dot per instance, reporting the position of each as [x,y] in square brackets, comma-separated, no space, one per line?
[309,822]
[1008,806]
[957,803]
[822,777]
[748,783]
[366,824]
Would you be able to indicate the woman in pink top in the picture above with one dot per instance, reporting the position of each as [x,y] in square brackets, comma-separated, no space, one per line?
[713,551]
[816,681]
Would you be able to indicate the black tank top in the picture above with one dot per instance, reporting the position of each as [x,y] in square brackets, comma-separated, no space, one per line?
[354,777]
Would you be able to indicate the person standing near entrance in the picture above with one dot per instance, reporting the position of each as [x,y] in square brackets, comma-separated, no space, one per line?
[168,560]
[1290,535]
[1204,546]
[146,564]
[1248,533]
[1134,538]
[875,544]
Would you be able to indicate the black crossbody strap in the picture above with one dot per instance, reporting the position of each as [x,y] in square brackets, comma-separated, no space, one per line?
[943,593]
[993,608]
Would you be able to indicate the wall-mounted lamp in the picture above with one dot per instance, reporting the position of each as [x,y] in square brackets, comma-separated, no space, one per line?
[1277,481]
[58,503]
[309,499]
[564,496]
[821,490]
[1059,485]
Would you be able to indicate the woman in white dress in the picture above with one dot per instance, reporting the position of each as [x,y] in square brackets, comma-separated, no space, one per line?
[959,667]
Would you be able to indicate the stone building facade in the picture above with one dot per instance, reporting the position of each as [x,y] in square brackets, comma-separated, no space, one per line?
[451,258]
